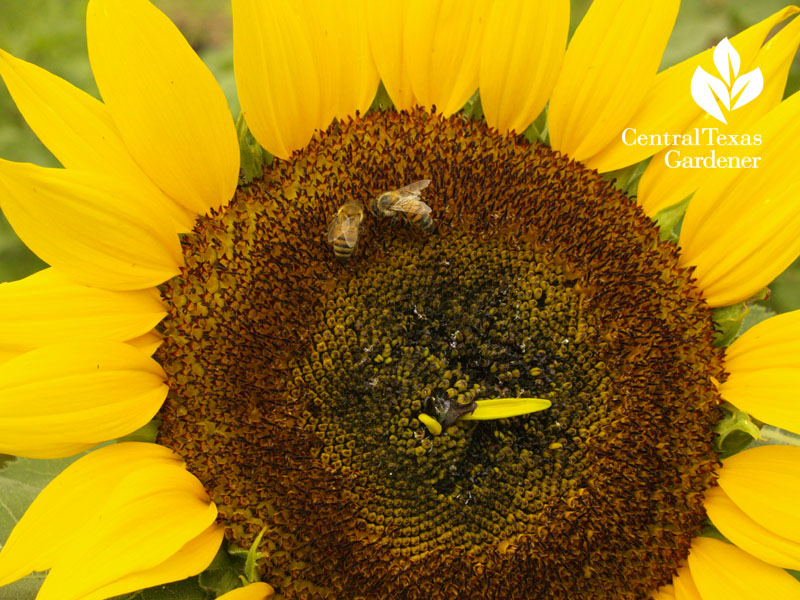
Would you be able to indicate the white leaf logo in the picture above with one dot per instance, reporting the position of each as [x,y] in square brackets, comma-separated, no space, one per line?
[726,59]
[710,91]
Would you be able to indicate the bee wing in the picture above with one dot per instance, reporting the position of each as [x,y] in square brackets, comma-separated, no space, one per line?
[410,204]
[333,227]
[350,230]
[415,188]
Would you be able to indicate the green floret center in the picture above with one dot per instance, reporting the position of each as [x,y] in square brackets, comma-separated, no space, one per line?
[432,328]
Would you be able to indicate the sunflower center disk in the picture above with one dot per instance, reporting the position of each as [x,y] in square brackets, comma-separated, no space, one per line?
[298,378]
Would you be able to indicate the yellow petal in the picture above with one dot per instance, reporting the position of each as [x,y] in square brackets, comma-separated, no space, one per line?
[165,103]
[254,591]
[442,50]
[79,131]
[505,408]
[432,424]
[46,308]
[770,395]
[608,68]
[518,70]
[723,572]
[67,503]
[386,25]
[276,78]
[748,535]
[339,42]
[89,226]
[666,592]
[191,559]
[662,186]
[670,107]
[764,482]
[773,343]
[742,227]
[62,399]
[148,343]
[764,367]
[685,588]
[134,531]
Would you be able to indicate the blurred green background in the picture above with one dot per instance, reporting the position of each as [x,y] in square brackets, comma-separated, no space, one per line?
[51,34]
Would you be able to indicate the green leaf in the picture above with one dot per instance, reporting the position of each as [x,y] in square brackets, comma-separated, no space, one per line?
[24,589]
[735,431]
[147,433]
[252,156]
[758,312]
[381,100]
[5,459]
[188,589]
[627,179]
[21,480]
[473,109]
[252,558]
[238,551]
[729,319]
[786,289]
[538,132]
[711,531]
[669,220]
[223,574]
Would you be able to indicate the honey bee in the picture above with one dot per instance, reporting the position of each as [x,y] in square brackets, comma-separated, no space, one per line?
[405,202]
[344,227]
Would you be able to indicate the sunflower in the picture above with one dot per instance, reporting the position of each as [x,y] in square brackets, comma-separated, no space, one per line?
[324,338]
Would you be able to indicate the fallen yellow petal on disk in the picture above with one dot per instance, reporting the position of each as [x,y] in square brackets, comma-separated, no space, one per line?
[518,70]
[276,78]
[662,186]
[340,44]
[724,572]
[80,133]
[443,51]
[67,503]
[386,25]
[608,69]
[505,408]
[742,226]
[193,558]
[254,591]
[60,400]
[165,103]
[764,367]
[148,517]
[47,308]
[434,427]
[685,588]
[748,535]
[669,106]
[764,482]
[89,226]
